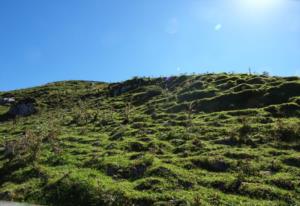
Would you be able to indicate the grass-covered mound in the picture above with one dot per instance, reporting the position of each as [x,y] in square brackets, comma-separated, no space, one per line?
[213,139]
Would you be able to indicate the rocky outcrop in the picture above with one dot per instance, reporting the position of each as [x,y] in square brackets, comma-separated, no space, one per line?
[23,108]
[5,101]
[129,85]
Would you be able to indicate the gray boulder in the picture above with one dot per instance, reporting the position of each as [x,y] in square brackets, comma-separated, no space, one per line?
[23,108]
[5,101]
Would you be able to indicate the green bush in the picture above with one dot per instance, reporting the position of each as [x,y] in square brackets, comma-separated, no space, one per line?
[286,131]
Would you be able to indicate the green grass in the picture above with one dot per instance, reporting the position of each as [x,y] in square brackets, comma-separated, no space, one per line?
[213,139]
[3,109]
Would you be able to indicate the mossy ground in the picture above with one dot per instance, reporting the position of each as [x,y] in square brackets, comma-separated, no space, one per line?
[213,139]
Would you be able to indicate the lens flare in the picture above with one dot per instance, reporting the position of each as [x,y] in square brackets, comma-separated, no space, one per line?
[257,9]
[260,4]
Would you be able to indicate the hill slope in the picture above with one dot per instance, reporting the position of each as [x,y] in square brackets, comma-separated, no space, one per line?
[213,139]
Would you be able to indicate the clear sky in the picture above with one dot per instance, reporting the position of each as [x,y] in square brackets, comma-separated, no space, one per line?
[111,40]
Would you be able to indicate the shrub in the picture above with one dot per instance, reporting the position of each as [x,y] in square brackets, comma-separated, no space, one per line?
[286,131]
[247,168]
[27,148]
[70,190]
[212,164]
[242,134]
[197,200]
[215,199]
[275,166]
[245,129]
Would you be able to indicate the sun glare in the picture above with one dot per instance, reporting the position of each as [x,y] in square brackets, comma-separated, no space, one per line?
[260,4]
[258,8]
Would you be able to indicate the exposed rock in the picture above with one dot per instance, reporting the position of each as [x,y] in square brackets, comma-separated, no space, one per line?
[23,108]
[121,88]
[5,101]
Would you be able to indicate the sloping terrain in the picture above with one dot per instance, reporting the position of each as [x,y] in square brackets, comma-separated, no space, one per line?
[213,139]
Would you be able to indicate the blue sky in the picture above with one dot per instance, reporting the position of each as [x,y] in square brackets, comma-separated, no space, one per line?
[112,40]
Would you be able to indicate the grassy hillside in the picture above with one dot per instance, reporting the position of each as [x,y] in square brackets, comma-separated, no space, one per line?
[213,139]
